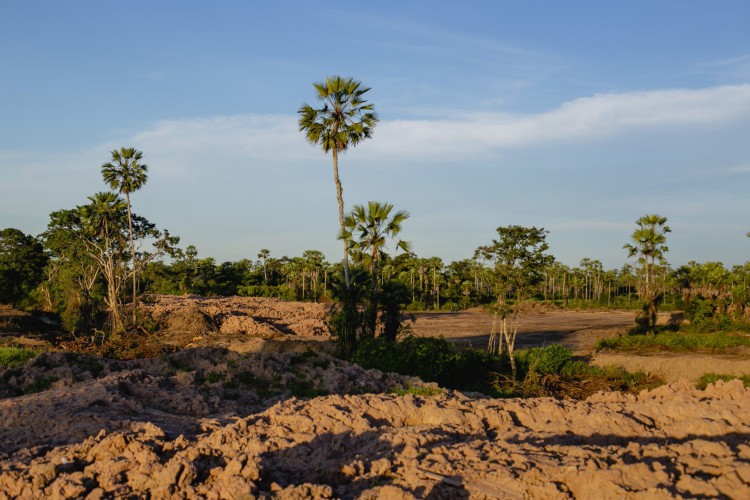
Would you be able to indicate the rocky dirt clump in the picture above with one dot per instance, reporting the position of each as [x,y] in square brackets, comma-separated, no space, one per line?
[674,441]
[59,397]
[192,321]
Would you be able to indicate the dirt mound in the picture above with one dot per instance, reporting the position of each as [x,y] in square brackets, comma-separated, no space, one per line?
[209,423]
[62,397]
[232,322]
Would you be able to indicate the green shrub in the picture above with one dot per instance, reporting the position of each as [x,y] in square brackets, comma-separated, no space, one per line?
[214,377]
[12,356]
[545,360]
[41,384]
[675,341]
[712,378]
[433,360]
[418,390]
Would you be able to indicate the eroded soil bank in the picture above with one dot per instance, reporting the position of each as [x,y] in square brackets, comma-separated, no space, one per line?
[674,441]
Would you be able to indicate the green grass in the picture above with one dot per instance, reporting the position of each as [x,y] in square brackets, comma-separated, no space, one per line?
[676,342]
[12,356]
[417,391]
[711,378]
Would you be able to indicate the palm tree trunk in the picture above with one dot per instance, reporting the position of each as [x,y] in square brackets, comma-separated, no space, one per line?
[340,198]
[132,252]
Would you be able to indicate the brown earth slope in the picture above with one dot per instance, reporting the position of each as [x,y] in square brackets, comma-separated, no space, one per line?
[671,442]
[238,323]
[214,423]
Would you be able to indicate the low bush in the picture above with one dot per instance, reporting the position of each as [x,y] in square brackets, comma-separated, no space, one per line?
[544,360]
[712,378]
[676,341]
[420,390]
[432,360]
[542,371]
[12,356]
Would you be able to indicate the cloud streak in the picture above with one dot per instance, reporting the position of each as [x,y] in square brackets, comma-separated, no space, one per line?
[275,138]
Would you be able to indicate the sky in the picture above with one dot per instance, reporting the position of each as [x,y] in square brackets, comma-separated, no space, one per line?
[577,116]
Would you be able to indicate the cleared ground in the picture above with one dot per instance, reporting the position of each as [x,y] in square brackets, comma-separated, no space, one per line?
[579,331]
[576,330]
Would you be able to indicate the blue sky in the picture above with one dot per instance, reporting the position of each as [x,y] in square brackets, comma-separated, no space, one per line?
[576,116]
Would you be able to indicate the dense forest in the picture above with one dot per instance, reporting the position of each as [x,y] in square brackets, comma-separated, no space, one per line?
[58,272]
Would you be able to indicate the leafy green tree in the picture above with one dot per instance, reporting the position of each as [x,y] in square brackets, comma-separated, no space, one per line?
[22,262]
[518,259]
[98,233]
[344,120]
[126,174]
[73,286]
[649,246]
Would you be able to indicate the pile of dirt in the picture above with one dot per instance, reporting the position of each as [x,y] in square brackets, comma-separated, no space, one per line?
[214,424]
[62,397]
[193,321]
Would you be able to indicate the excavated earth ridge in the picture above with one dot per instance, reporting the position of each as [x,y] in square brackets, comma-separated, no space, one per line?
[209,423]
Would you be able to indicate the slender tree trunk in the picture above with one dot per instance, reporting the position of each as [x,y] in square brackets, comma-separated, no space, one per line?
[340,197]
[132,252]
[374,290]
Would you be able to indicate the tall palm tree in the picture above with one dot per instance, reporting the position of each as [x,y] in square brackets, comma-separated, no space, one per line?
[264,254]
[344,120]
[367,230]
[126,174]
[649,244]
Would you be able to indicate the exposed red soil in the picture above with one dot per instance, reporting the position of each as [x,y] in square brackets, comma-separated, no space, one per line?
[214,423]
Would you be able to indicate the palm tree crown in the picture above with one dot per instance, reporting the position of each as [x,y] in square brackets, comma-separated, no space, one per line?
[103,214]
[650,238]
[368,229]
[344,120]
[125,173]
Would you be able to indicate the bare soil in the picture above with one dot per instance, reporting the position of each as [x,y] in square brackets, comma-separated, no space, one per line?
[576,330]
[209,422]
[579,331]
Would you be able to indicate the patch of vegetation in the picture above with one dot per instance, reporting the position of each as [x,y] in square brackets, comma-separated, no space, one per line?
[676,342]
[432,360]
[13,356]
[544,360]
[40,384]
[712,378]
[297,360]
[542,371]
[91,365]
[214,377]
[262,386]
[303,388]
[418,390]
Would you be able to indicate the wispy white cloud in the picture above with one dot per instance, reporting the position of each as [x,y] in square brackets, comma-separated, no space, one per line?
[275,138]
[735,68]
